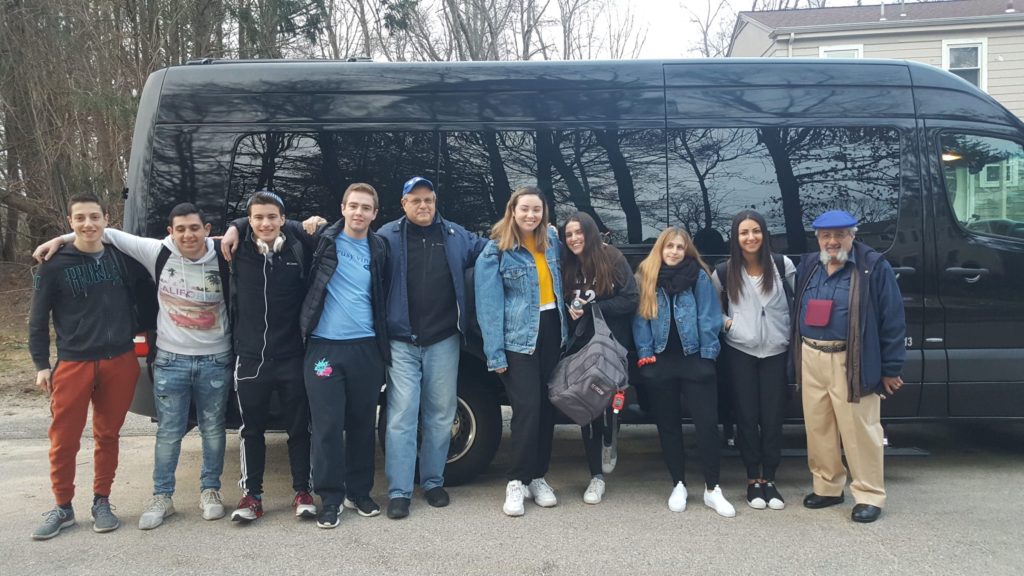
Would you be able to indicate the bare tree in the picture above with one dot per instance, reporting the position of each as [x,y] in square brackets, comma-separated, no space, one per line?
[715,22]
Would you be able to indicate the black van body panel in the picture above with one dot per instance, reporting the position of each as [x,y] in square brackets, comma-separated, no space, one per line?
[747,91]
[192,118]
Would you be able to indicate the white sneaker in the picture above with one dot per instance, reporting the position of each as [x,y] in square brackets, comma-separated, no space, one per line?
[609,457]
[594,491]
[514,499]
[677,501]
[542,493]
[211,504]
[716,500]
[160,507]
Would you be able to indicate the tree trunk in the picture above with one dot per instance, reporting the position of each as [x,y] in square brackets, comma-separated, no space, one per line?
[774,139]
[502,192]
[609,140]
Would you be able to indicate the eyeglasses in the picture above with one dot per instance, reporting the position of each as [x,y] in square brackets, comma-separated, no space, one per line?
[829,236]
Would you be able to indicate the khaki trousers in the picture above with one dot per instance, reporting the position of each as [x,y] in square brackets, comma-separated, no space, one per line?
[833,424]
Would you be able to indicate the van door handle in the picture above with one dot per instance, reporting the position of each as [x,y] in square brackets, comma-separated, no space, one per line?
[971,275]
[907,270]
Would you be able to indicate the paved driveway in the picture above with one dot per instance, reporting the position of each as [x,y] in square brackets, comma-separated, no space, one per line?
[957,511]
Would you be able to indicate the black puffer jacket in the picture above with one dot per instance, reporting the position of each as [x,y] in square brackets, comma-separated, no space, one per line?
[325,261]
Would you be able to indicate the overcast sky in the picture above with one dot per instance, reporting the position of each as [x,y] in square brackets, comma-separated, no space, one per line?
[670,33]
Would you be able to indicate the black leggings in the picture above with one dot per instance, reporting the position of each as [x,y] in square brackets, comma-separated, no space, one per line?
[759,400]
[675,377]
[533,415]
[595,436]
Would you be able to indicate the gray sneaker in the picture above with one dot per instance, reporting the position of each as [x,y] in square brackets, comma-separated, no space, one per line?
[160,507]
[53,522]
[103,518]
[211,504]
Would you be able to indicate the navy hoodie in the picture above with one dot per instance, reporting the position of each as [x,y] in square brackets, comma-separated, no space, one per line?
[90,300]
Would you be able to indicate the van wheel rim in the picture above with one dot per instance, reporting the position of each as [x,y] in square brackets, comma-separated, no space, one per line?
[463,432]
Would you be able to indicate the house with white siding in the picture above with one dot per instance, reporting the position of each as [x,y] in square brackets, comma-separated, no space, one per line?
[982,41]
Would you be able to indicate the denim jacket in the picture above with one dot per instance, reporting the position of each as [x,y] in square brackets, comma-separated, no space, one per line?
[507,297]
[698,319]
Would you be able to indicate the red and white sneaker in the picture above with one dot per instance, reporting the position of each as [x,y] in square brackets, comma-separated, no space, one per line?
[248,509]
[304,505]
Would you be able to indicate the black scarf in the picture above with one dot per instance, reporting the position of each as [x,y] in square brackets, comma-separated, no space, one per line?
[678,278]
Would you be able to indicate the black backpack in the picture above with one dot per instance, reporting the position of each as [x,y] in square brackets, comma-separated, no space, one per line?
[143,292]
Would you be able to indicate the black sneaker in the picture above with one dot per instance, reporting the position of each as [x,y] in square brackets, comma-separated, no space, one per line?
[755,496]
[328,517]
[438,497]
[365,506]
[398,508]
[771,494]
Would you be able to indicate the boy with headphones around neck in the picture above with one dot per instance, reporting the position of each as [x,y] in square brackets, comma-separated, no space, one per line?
[268,274]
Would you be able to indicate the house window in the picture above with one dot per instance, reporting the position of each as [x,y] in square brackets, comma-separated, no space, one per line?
[966,59]
[844,51]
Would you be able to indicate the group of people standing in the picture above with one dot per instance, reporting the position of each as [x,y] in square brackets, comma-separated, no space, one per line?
[322,315]
[842,302]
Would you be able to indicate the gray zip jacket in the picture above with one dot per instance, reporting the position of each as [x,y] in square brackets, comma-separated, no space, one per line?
[760,323]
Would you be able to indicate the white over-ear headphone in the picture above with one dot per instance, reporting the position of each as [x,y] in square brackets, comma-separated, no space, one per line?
[263,248]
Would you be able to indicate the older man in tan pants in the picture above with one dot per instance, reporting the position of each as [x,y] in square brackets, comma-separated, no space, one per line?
[849,333]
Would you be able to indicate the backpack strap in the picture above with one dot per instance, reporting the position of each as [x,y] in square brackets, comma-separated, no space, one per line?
[780,266]
[722,269]
[227,280]
[161,261]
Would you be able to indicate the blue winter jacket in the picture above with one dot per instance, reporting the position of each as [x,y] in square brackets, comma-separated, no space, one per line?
[461,248]
[698,316]
[508,296]
[883,327]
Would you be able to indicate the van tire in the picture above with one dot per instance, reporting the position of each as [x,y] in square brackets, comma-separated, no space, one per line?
[476,432]
[478,420]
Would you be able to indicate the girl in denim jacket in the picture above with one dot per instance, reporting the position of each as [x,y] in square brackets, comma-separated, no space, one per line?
[676,334]
[522,318]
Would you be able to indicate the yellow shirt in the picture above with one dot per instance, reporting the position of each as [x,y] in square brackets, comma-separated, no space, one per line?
[547,290]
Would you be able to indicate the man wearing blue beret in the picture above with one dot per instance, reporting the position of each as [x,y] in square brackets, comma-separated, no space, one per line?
[848,351]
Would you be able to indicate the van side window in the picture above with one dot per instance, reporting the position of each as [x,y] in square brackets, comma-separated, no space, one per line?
[985,183]
[311,170]
[790,175]
[617,176]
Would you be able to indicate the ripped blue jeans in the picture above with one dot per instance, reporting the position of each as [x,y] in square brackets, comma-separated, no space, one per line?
[178,380]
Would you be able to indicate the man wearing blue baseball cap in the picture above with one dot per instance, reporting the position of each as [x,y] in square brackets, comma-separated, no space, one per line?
[426,315]
[848,351]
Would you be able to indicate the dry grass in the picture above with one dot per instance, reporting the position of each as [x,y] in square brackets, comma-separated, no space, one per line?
[17,375]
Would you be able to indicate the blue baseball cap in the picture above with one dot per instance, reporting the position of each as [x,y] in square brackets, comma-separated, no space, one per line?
[414,182]
[834,219]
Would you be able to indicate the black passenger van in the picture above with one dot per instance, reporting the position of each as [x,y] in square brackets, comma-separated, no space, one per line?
[932,167]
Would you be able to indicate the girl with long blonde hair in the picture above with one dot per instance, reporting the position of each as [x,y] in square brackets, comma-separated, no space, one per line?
[676,334]
[522,317]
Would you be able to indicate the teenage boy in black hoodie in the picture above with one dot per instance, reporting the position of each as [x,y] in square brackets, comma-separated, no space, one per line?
[87,288]
[268,275]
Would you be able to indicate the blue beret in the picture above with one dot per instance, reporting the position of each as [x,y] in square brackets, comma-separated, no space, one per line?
[835,219]
[414,182]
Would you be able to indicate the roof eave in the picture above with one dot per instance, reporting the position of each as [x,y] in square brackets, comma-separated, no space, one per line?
[896,24]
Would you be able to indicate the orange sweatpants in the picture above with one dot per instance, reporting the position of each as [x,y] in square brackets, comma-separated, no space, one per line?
[110,386]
